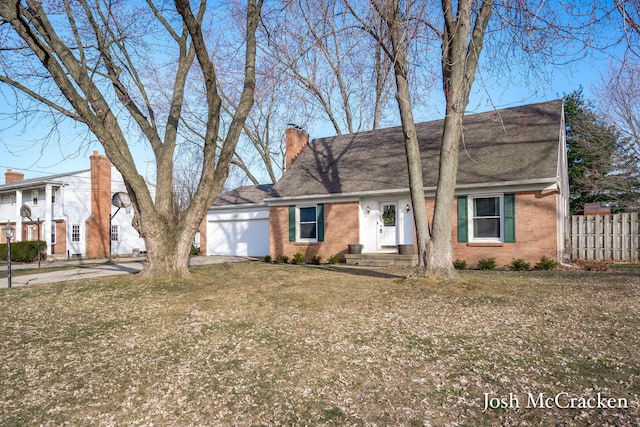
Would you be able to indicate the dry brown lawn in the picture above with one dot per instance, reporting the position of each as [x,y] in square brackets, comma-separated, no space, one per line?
[252,344]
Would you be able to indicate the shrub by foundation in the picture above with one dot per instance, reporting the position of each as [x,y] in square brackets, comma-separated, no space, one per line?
[487,264]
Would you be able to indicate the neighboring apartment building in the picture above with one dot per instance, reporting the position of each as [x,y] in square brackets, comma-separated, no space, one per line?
[74,210]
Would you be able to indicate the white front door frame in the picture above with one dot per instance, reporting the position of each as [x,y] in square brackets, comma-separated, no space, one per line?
[387,226]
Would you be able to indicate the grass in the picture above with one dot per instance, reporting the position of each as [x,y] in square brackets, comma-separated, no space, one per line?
[260,344]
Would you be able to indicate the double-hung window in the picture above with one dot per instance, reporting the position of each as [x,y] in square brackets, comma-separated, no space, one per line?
[34,197]
[75,233]
[306,223]
[114,233]
[486,218]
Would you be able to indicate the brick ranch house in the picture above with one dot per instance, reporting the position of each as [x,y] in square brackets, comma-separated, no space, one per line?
[74,210]
[511,193]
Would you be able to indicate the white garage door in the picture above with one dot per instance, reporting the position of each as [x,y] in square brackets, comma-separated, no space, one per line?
[246,237]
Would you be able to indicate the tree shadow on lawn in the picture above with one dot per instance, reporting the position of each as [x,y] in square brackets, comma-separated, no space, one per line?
[362,271]
[112,267]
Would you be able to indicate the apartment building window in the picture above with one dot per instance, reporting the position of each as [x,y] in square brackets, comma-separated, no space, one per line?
[114,233]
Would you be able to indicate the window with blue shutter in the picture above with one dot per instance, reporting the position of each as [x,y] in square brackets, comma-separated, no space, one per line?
[292,223]
[320,219]
[306,223]
[510,218]
[463,227]
[487,218]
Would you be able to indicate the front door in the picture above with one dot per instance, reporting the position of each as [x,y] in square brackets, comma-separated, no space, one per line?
[387,226]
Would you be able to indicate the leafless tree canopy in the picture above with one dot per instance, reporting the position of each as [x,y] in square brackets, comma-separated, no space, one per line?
[132,71]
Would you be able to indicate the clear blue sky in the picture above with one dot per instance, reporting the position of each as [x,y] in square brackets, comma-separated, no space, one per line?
[21,148]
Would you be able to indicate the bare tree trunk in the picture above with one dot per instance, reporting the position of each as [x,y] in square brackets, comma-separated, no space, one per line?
[459,63]
[92,93]
[412,148]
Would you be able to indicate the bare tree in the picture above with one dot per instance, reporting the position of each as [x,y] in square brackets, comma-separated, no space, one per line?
[341,75]
[92,62]
[619,101]
[531,30]
[462,39]
[317,67]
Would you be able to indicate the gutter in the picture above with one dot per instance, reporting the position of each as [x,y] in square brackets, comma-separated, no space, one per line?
[526,184]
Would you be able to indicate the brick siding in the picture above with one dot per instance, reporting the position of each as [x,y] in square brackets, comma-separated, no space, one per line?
[341,227]
[536,232]
[60,246]
[98,227]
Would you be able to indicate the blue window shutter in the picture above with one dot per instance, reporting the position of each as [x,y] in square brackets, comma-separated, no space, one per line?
[292,223]
[463,228]
[509,218]
[320,217]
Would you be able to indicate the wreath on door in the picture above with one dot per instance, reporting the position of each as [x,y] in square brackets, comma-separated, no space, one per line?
[389,216]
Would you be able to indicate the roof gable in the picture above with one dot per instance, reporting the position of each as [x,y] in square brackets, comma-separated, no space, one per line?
[519,143]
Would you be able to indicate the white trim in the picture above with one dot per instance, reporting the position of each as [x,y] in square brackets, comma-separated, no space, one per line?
[462,189]
[240,206]
[298,223]
[471,217]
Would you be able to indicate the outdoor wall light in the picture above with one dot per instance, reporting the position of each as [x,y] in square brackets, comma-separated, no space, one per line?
[368,209]
[408,207]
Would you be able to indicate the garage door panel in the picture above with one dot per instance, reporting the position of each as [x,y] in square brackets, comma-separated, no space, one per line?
[238,238]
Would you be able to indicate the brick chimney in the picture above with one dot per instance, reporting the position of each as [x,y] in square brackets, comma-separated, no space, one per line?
[296,140]
[98,232]
[11,176]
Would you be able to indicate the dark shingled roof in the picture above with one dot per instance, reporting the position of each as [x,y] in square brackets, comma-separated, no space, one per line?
[512,144]
[244,195]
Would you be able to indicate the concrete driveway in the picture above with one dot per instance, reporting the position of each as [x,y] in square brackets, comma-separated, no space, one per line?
[81,269]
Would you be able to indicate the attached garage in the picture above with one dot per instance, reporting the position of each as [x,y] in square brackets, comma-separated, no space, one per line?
[238,233]
[238,223]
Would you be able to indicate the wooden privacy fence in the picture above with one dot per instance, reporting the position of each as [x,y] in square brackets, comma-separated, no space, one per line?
[605,237]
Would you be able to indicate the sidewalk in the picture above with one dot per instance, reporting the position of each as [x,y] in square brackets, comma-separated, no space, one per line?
[81,269]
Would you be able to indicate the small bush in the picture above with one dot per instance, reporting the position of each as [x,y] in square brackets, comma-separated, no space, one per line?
[267,259]
[546,264]
[316,260]
[520,265]
[298,259]
[25,251]
[282,259]
[460,264]
[487,264]
[334,259]
[194,251]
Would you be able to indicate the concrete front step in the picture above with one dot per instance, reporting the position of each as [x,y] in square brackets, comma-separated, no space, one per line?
[381,259]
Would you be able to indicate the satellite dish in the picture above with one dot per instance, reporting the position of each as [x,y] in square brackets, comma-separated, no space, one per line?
[25,211]
[121,200]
